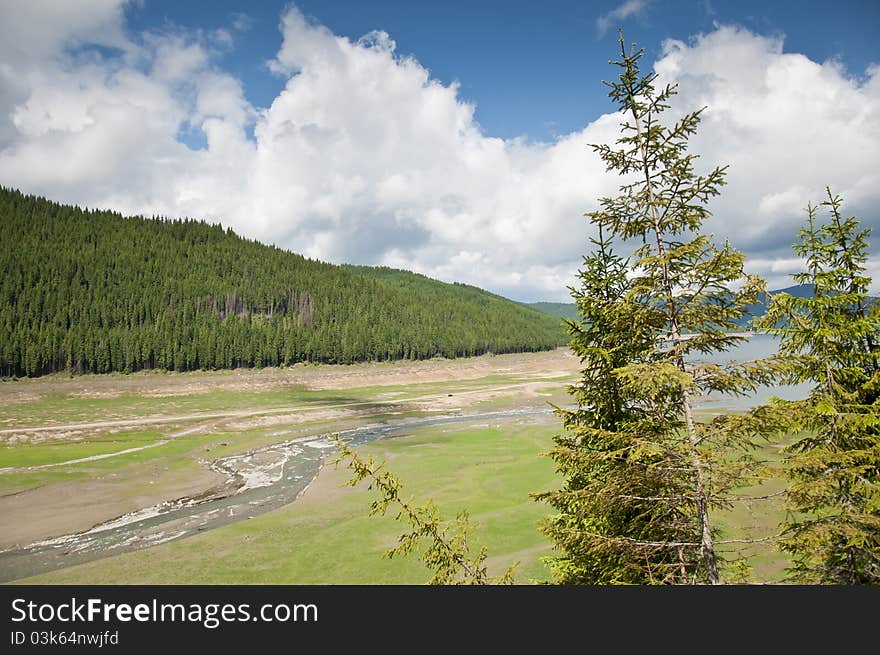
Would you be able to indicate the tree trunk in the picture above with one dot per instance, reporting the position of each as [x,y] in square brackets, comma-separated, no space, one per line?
[707,547]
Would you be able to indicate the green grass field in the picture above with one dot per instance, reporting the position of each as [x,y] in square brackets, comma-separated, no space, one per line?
[488,468]
[327,538]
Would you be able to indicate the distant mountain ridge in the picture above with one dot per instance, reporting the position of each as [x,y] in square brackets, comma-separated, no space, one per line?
[93,291]
[569,310]
[760,308]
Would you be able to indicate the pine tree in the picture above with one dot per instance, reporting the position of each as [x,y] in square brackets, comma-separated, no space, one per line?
[642,472]
[93,291]
[597,453]
[829,341]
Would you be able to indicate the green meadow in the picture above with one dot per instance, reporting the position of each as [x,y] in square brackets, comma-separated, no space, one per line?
[488,467]
[327,537]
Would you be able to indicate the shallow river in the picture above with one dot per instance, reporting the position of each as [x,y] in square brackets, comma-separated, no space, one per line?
[258,481]
[273,476]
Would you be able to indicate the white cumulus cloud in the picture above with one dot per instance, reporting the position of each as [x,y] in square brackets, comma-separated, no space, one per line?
[787,126]
[620,13]
[363,157]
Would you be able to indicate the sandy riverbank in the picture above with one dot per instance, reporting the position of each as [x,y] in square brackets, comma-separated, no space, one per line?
[150,384]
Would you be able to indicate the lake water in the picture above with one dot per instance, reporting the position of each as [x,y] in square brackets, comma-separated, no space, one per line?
[758,346]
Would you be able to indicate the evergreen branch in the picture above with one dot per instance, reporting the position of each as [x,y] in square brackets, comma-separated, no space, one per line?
[447,553]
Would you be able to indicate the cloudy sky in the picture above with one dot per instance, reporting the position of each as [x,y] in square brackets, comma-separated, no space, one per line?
[448,138]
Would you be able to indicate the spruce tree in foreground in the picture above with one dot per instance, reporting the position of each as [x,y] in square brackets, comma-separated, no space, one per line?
[829,340]
[595,453]
[643,473]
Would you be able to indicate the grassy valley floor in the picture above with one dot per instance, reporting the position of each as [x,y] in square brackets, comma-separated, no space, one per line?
[78,452]
[326,537]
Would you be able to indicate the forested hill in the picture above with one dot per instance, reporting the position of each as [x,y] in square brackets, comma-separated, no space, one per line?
[431,288]
[93,291]
[560,309]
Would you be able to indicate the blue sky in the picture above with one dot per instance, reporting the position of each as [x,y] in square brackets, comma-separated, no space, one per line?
[530,67]
[449,138]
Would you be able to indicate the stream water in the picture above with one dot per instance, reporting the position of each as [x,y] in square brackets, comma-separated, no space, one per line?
[257,481]
[272,476]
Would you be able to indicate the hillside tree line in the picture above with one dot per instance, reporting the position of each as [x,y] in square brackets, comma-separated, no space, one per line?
[95,292]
